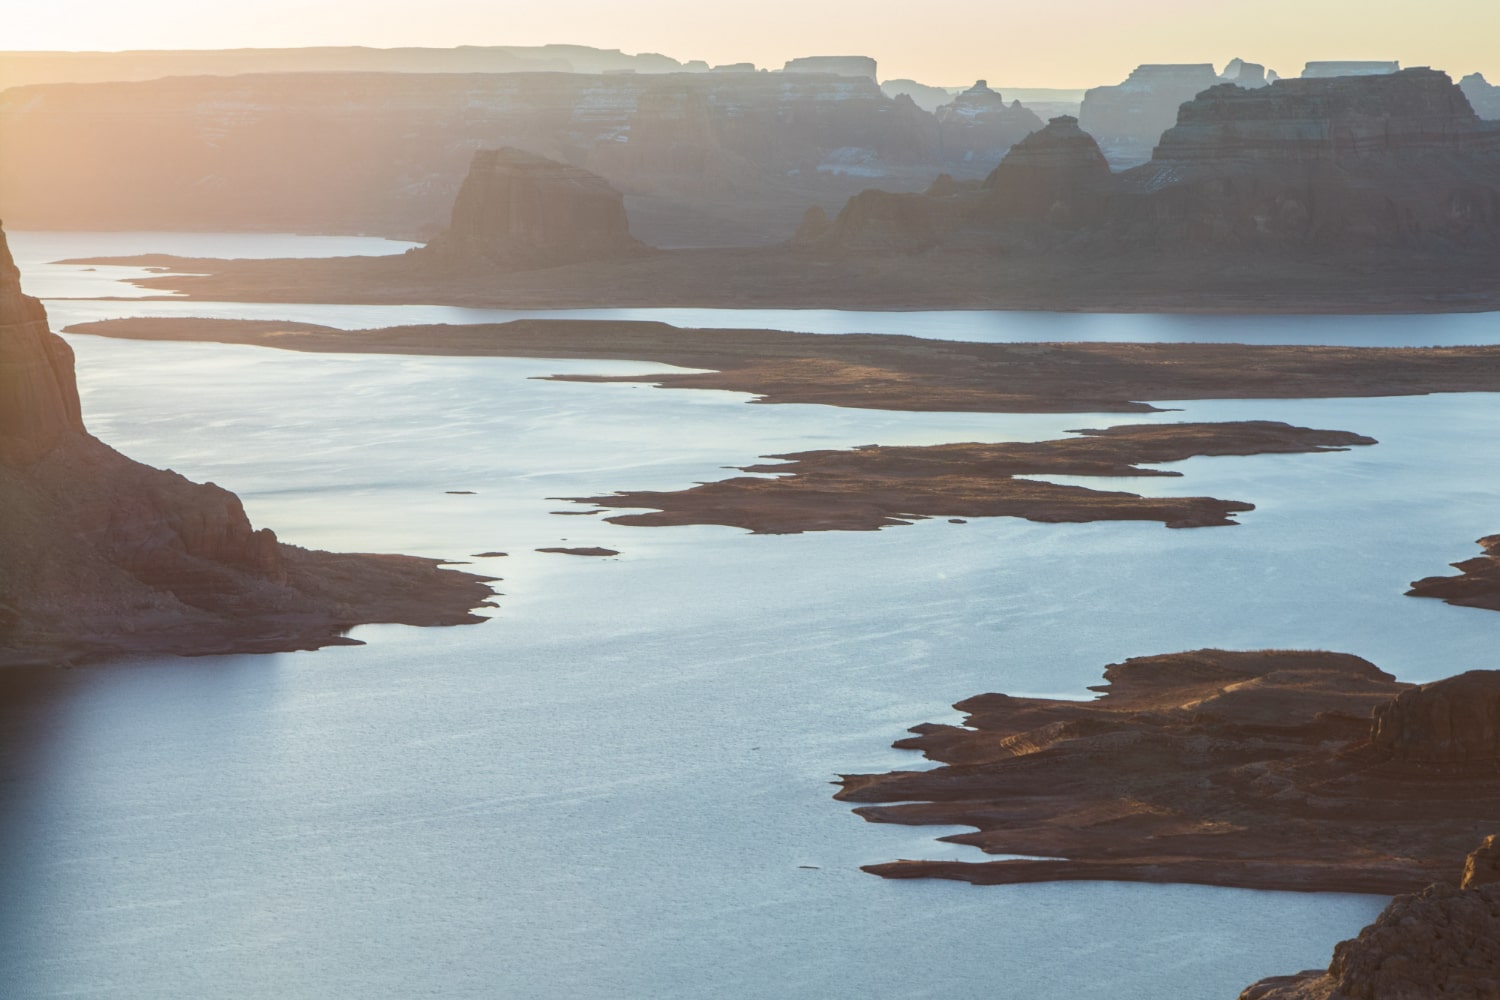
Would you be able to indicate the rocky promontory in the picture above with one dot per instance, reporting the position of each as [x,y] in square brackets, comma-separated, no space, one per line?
[1311,771]
[519,210]
[102,555]
[1128,116]
[1441,942]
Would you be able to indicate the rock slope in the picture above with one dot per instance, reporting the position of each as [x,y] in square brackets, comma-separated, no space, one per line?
[101,555]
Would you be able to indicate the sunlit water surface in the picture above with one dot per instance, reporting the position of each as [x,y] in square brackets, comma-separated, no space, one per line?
[618,786]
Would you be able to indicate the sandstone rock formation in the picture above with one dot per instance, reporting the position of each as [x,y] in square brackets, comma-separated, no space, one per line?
[925,96]
[1440,942]
[101,555]
[1483,95]
[984,111]
[1254,769]
[1128,117]
[516,209]
[1482,867]
[1478,585]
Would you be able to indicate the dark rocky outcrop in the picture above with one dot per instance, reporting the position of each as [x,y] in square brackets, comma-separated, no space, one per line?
[517,209]
[1440,942]
[101,555]
[1483,95]
[1312,771]
[1128,117]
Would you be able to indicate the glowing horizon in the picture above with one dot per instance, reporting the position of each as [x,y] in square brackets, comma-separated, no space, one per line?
[1087,43]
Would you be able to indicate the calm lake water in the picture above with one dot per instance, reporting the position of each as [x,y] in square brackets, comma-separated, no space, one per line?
[612,788]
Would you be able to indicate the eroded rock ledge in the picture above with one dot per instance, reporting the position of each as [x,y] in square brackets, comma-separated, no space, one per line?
[872,487]
[101,555]
[1285,770]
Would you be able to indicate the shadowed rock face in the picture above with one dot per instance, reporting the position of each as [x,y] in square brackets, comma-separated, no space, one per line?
[519,209]
[979,107]
[100,554]
[1440,942]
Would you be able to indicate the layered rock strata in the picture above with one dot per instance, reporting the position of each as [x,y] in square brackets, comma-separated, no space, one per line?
[102,555]
[1270,770]
[875,487]
[517,209]
[1440,942]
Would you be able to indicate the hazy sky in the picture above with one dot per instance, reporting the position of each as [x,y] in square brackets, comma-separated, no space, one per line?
[1037,43]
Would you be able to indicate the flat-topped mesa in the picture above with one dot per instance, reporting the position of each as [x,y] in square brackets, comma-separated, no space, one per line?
[1455,721]
[38,394]
[1056,175]
[834,65]
[1322,70]
[519,209]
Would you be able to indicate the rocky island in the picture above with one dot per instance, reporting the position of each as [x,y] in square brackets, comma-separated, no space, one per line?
[104,555]
[873,487]
[1311,771]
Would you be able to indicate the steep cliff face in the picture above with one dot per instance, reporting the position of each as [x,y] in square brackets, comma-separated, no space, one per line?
[721,153]
[100,554]
[38,395]
[518,209]
[1440,942]
[1455,721]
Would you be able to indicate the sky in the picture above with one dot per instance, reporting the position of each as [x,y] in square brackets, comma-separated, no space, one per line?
[1033,44]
